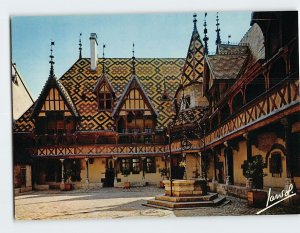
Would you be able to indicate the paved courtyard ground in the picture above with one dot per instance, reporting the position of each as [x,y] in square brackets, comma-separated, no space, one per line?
[118,203]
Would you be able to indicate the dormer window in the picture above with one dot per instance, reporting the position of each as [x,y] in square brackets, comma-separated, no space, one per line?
[105,99]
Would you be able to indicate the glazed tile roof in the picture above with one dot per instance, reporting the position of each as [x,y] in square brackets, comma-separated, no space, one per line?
[232,49]
[224,66]
[194,62]
[79,82]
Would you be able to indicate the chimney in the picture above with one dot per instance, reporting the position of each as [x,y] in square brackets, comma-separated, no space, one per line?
[94,54]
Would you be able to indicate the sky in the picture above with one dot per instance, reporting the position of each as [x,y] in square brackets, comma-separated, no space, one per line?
[161,35]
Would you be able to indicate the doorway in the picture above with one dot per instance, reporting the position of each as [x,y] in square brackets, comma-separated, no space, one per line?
[109,174]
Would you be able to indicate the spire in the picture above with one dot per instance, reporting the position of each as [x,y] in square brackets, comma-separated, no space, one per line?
[103,59]
[80,46]
[195,21]
[229,36]
[51,61]
[133,60]
[218,40]
[205,39]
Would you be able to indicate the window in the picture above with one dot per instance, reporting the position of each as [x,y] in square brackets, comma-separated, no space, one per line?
[136,166]
[275,164]
[125,165]
[150,165]
[105,98]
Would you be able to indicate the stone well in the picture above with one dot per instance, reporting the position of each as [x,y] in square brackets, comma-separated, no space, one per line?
[184,188]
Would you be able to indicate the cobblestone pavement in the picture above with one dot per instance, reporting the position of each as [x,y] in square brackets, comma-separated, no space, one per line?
[118,203]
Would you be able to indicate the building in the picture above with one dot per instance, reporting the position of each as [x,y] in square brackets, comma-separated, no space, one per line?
[21,101]
[106,117]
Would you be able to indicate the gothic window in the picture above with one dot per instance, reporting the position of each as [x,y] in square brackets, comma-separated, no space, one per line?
[105,99]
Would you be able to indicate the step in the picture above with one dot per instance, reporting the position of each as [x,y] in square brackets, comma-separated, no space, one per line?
[209,197]
[176,205]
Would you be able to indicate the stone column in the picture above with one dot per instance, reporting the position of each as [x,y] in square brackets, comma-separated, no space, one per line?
[143,167]
[227,178]
[287,136]
[200,164]
[249,146]
[87,173]
[115,169]
[215,165]
[62,184]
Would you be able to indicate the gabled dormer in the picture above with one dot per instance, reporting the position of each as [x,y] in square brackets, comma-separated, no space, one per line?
[135,112]
[134,98]
[54,111]
[104,90]
[105,94]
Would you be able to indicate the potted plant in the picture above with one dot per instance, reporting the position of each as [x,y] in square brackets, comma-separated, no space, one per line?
[253,171]
[68,176]
[163,173]
[126,173]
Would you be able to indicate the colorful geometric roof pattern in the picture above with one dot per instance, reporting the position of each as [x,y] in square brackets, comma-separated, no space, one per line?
[25,122]
[79,82]
[194,63]
[225,66]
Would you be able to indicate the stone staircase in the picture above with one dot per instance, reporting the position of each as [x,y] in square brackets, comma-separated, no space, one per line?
[167,202]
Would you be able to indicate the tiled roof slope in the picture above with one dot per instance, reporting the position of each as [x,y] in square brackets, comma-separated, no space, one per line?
[79,82]
[232,49]
[194,62]
[226,66]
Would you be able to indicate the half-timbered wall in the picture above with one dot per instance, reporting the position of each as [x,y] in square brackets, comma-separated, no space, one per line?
[54,102]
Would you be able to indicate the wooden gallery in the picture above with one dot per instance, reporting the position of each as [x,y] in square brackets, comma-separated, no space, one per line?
[225,117]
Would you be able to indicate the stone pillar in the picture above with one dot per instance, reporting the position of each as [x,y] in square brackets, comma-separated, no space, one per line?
[87,173]
[143,167]
[249,146]
[62,184]
[287,136]
[200,165]
[215,165]
[115,169]
[227,178]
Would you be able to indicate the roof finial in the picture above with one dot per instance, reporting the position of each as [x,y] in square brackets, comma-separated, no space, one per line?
[229,36]
[195,21]
[80,46]
[133,60]
[51,60]
[103,59]
[205,39]
[218,40]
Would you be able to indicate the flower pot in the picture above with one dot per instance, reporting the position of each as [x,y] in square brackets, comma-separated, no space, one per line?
[68,186]
[126,185]
[161,184]
[257,198]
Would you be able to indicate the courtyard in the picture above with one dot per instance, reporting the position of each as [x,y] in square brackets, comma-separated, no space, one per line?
[119,203]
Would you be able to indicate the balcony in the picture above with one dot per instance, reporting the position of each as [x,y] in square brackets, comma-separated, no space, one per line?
[264,108]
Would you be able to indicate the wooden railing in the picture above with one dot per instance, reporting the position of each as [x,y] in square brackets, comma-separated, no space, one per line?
[98,150]
[275,100]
